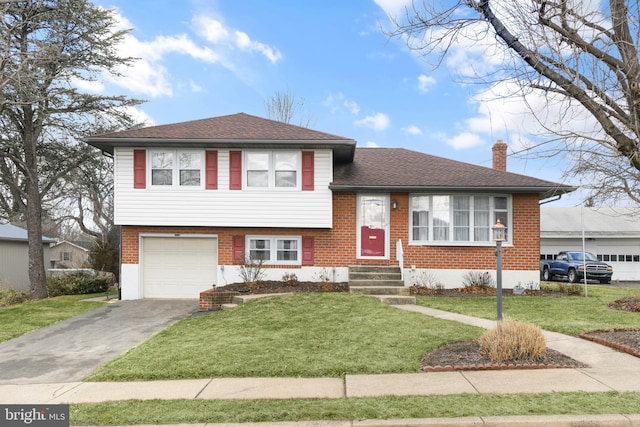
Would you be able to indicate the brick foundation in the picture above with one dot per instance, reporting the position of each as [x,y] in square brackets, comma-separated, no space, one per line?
[212,299]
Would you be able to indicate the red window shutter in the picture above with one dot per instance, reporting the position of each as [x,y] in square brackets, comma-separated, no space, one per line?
[139,169]
[307,170]
[211,170]
[235,170]
[307,250]
[238,249]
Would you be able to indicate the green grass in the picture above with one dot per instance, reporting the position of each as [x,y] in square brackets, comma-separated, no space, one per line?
[305,335]
[567,315]
[462,405]
[21,319]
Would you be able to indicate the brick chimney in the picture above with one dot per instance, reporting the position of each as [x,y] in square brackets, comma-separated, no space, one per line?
[500,155]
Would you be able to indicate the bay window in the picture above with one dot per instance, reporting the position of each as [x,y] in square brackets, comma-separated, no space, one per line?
[456,219]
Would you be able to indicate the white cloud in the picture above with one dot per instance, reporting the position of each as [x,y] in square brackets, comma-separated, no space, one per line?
[371,144]
[465,140]
[337,101]
[393,7]
[377,122]
[216,33]
[150,75]
[352,106]
[412,130]
[425,82]
[244,42]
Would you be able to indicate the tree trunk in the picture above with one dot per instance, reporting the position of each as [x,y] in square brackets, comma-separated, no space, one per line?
[37,275]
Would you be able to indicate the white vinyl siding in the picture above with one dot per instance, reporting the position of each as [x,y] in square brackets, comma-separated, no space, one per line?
[173,206]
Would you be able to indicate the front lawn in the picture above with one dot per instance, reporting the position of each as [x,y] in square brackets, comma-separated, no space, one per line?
[301,335]
[27,317]
[569,315]
[133,412]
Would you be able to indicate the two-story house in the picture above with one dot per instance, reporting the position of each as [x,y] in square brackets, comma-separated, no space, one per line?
[198,200]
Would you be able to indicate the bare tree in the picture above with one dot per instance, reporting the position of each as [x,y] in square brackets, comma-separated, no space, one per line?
[580,58]
[46,48]
[283,107]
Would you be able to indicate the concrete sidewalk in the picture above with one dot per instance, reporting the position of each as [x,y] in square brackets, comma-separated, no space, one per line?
[608,370]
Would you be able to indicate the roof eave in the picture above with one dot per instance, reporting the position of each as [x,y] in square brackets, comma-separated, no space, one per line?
[543,192]
[344,150]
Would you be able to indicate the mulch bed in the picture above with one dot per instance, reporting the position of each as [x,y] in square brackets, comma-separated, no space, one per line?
[466,355]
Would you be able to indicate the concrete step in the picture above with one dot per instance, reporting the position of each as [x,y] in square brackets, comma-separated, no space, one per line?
[379,290]
[373,268]
[369,282]
[228,306]
[374,275]
[395,299]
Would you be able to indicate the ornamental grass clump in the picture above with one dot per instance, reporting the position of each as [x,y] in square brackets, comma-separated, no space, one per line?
[513,341]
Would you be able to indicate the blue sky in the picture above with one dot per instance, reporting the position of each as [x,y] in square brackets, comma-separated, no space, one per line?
[202,58]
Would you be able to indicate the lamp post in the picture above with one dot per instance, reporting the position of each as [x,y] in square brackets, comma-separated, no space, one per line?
[499,231]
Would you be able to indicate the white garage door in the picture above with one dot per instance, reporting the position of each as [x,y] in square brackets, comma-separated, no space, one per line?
[178,267]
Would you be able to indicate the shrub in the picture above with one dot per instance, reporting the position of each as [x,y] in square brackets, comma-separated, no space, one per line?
[78,283]
[290,279]
[11,297]
[513,340]
[252,271]
[574,289]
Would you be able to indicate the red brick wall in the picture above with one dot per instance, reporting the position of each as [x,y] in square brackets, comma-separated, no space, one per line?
[337,247]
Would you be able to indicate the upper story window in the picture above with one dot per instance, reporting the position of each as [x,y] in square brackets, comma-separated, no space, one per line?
[272,169]
[176,168]
[456,218]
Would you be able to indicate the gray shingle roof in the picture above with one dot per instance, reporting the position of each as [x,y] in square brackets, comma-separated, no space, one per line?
[406,170]
[235,130]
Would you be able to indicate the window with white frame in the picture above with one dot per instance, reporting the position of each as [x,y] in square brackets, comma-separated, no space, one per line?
[272,169]
[181,168]
[275,249]
[437,218]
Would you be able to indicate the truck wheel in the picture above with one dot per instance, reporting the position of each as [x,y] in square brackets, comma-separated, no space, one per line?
[546,275]
[572,276]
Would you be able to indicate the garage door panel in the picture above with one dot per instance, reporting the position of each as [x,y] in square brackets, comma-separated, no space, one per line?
[179,267]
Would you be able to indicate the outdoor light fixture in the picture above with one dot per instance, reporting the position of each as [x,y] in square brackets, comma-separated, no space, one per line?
[394,204]
[499,233]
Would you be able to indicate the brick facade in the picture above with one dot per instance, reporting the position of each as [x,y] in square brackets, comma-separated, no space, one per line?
[337,246]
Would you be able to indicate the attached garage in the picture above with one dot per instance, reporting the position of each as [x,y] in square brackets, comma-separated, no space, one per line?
[178,267]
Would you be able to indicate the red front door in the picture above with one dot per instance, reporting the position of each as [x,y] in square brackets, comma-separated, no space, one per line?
[373,220]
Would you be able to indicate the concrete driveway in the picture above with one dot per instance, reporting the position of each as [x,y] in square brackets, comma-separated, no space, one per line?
[72,349]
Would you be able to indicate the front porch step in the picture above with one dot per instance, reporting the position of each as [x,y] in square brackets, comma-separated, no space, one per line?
[376,282]
[375,275]
[379,290]
[381,282]
[395,299]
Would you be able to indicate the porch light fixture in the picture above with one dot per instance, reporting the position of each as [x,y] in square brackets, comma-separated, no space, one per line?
[394,204]
[499,233]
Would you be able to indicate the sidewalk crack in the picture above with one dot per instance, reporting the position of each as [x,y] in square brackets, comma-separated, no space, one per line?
[203,387]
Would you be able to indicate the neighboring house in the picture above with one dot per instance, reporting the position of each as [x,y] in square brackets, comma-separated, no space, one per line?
[197,199]
[14,257]
[66,255]
[612,234]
